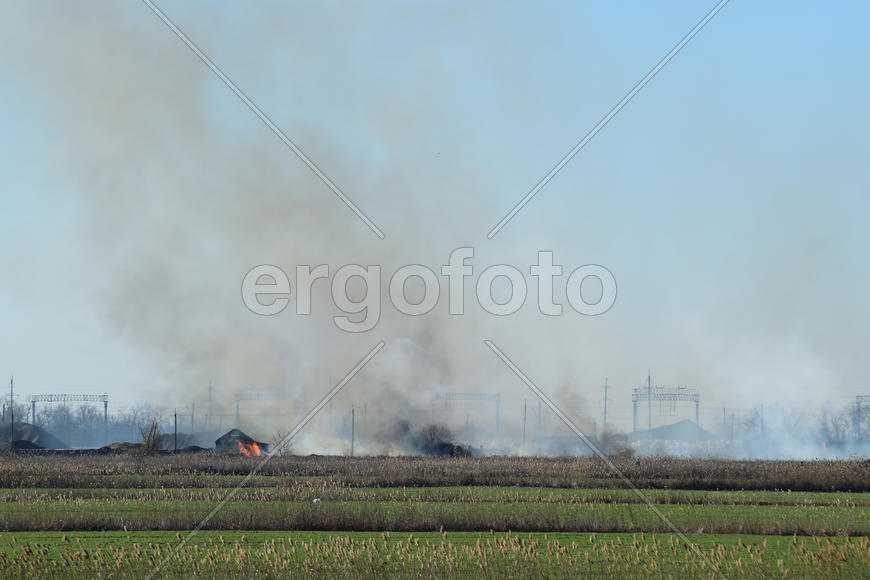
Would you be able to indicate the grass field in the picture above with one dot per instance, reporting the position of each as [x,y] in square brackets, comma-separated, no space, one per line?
[120,516]
[207,470]
[457,554]
[415,516]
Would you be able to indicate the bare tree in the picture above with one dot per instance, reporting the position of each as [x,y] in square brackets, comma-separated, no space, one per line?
[150,436]
[275,444]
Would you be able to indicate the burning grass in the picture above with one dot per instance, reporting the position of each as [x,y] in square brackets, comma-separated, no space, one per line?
[251,449]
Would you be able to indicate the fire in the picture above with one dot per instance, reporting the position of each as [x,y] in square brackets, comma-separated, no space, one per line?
[250,449]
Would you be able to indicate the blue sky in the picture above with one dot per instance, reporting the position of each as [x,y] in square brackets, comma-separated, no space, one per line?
[729,197]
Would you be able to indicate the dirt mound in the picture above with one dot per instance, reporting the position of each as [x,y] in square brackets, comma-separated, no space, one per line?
[684,430]
[124,446]
[31,434]
[193,449]
[432,440]
[24,445]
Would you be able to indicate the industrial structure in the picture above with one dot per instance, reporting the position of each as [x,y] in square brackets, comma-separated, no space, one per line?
[251,394]
[70,398]
[237,441]
[859,399]
[672,396]
[448,401]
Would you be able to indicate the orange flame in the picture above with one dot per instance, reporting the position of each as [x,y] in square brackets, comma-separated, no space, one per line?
[250,449]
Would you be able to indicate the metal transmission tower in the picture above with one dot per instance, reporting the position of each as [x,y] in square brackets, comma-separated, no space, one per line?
[12,410]
[858,400]
[448,400]
[252,394]
[670,395]
[648,401]
[69,398]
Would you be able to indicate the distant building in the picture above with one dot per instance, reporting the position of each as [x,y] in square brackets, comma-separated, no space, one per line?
[237,441]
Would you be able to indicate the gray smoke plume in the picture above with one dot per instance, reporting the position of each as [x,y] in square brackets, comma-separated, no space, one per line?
[180,202]
[180,190]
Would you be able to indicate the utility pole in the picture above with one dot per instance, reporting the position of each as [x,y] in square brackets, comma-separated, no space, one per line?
[826,433]
[524,423]
[192,417]
[12,413]
[352,429]
[208,416]
[634,417]
[649,401]
[605,405]
[175,429]
[762,421]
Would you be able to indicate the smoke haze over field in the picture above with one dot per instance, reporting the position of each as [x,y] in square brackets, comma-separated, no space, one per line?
[139,191]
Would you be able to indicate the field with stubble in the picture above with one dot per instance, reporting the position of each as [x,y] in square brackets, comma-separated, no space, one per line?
[125,515]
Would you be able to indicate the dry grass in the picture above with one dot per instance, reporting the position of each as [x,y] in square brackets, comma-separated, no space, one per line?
[79,514]
[210,470]
[422,495]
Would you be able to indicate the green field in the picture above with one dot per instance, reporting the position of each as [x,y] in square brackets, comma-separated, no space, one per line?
[331,554]
[121,516]
[338,554]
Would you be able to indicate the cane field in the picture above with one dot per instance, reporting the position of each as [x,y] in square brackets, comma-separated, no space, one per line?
[204,515]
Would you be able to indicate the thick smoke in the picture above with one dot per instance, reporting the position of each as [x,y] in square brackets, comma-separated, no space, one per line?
[431,440]
[180,204]
[181,191]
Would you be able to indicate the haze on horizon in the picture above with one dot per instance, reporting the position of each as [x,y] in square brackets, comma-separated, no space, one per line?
[729,198]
